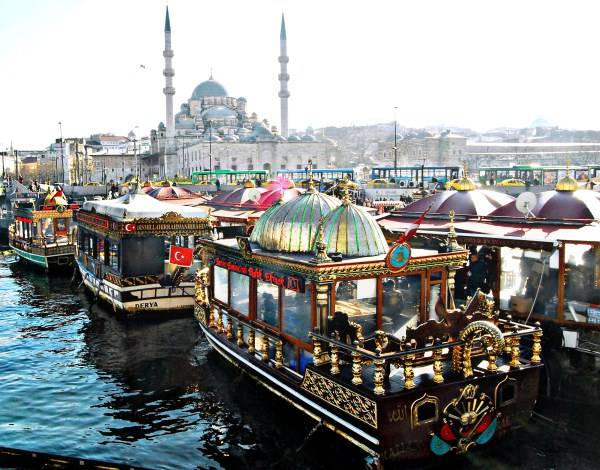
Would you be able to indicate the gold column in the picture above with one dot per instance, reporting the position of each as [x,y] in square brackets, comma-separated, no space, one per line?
[317,352]
[536,357]
[492,366]
[240,335]
[335,360]
[356,368]
[211,317]
[508,340]
[409,373]
[438,377]
[466,361]
[265,348]
[251,340]
[229,329]
[220,326]
[378,376]
[457,358]
[279,354]
[515,352]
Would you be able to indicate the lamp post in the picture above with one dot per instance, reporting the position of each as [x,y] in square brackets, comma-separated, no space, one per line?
[209,150]
[395,142]
[62,154]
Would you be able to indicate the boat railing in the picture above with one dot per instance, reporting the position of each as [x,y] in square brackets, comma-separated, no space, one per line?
[248,334]
[499,344]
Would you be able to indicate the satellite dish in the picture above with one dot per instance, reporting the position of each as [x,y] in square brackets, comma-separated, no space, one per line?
[525,203]
[253,195]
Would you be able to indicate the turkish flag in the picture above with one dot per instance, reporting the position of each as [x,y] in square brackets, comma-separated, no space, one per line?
[181,256]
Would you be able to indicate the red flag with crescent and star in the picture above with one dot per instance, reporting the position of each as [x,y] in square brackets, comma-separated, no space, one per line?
[181,256]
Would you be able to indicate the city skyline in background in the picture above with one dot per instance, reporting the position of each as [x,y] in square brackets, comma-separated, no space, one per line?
[97,67]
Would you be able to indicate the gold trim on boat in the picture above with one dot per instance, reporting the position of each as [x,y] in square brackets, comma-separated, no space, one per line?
[341,397]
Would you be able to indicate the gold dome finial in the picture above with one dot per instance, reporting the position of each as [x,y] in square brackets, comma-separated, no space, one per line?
[451,238]
[465,183]
[320,246]
[566,183]
[311,181]
[345,196]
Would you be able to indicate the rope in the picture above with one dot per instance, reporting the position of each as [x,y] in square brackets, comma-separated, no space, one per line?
[537,291]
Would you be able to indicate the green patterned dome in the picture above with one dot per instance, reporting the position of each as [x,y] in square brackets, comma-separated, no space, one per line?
[292,227]
[351,231]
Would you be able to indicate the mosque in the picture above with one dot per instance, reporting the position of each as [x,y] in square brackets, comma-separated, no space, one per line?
[215,130]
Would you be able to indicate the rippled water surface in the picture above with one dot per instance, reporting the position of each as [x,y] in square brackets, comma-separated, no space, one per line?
[80,383]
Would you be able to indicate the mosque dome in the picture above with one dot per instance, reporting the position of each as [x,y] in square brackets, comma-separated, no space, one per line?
[308,138]
[211,138]
[185,124]
[280,138]
[351,231]
[260,131]
[209,88]
[293,226]
[244,131]
[294,138]
[231,138]
[219,112]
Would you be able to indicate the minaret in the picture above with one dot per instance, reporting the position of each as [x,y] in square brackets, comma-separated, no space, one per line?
[284,77]
[168,90]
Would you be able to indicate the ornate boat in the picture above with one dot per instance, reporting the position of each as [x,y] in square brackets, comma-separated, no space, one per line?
[363,338]
[42,232]
[135,253]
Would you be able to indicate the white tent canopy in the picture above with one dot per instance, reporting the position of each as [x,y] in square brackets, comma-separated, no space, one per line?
[137,205]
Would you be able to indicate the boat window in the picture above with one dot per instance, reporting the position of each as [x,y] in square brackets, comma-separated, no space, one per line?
[582,281]
[401,303]
[297,314]
[114,256]
[221,284]
[240,290]
[358,300]
[529,278]
[426,412]
[100,250]
[267,303]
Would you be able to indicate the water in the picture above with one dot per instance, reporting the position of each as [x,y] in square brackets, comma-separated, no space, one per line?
[80,383]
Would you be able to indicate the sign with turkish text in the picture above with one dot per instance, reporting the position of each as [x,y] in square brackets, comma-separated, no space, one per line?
[181,256]
[295,283]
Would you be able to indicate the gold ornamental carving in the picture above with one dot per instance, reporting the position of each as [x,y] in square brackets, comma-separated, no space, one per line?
[341,397]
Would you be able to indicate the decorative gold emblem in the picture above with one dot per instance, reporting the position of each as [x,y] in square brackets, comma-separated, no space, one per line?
[341,397]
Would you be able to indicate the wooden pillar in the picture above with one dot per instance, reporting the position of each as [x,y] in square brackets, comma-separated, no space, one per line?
[560,306]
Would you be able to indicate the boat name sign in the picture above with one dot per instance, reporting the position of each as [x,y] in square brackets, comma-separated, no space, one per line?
[294,283]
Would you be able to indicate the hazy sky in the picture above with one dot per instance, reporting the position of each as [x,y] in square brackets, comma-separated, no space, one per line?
[478,64]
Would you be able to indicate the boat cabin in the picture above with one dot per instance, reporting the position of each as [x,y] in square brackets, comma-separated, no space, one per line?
[136,253]
[42,232]
[364,337]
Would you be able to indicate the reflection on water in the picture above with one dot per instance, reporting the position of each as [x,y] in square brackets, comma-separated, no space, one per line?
[82,383]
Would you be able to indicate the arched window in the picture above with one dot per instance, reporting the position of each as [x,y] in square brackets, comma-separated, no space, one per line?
[506,392]
[424,410]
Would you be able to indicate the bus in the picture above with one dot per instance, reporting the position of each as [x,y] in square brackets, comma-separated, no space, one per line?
[229,177]
[415,174]
[325,177]
[532,175]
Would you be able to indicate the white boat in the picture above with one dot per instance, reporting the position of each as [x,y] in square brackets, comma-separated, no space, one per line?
[135,253]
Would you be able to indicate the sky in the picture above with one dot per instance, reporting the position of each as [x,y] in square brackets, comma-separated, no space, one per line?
[466,63]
